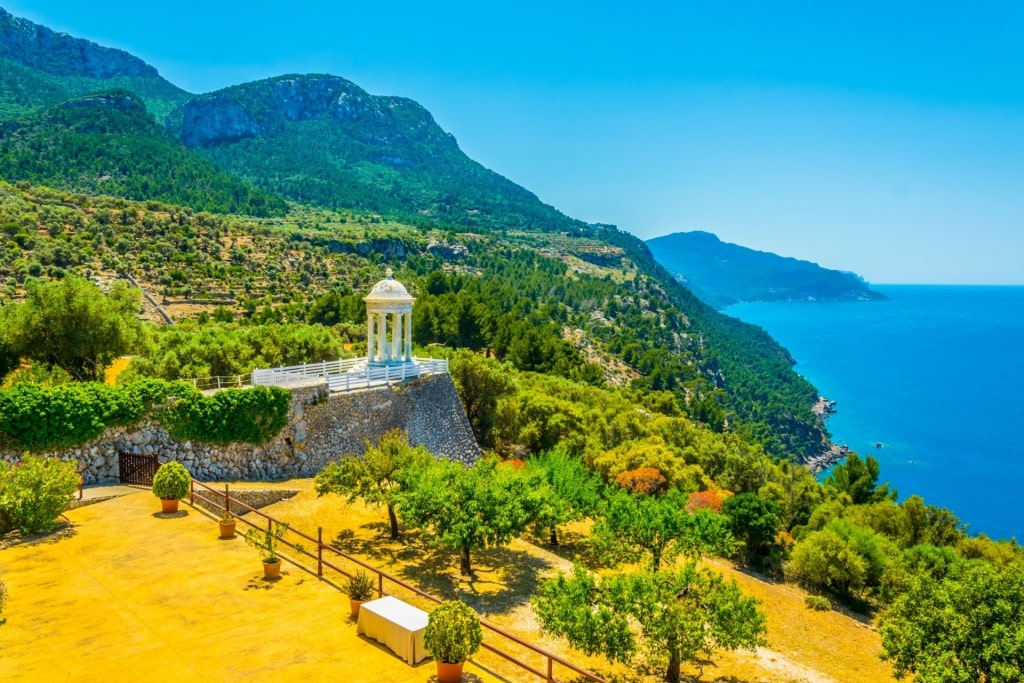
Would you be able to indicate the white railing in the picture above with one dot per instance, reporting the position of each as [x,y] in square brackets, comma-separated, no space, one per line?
[346,375]
[222,382]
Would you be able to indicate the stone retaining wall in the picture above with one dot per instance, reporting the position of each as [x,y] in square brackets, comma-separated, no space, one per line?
[254,498]
[321,428]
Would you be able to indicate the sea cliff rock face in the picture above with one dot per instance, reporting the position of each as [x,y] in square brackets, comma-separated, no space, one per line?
[265,107]
[58,53]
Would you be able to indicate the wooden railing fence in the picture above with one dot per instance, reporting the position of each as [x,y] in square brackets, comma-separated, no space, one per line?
[213,499]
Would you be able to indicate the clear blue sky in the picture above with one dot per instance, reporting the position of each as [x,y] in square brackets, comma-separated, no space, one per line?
[885,138]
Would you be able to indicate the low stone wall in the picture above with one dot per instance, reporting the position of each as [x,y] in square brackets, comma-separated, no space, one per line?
[321,428]
[254,498]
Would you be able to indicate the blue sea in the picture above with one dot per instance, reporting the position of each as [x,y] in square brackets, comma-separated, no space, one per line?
[935,376]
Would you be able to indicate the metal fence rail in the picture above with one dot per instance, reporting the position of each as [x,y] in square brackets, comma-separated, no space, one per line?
[213,499]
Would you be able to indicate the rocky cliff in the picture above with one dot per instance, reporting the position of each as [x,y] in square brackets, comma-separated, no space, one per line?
[265,107]
[46,50]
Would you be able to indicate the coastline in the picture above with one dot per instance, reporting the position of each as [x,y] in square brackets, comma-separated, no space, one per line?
[824,408]
[819,463]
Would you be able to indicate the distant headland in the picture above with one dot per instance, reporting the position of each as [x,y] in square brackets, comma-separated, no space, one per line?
[723,274]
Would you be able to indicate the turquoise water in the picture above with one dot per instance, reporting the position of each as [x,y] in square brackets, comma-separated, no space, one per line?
[935,376]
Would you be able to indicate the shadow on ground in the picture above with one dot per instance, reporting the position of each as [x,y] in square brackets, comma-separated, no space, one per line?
[503,578]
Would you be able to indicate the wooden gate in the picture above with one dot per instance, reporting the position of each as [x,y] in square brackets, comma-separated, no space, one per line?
[136,468]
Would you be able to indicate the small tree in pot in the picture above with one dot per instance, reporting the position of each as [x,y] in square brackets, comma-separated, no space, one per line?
[265,542]
[170,483]
[452,636]
[359,589]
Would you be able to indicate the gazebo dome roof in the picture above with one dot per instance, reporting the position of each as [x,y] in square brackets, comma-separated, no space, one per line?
[389,291]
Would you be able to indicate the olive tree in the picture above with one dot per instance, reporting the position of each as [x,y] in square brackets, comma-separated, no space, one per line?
[469,508]
[378,476]
[671,617]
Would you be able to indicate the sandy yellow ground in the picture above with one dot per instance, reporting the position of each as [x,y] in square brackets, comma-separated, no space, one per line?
[127,594]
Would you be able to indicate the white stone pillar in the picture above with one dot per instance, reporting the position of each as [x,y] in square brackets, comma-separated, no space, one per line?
[408,337]
[396,332]
[381,335]
[369,337]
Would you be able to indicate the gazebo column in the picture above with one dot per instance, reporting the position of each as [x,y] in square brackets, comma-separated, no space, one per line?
[408,337]
[381,335]
[396,336]
[369,337]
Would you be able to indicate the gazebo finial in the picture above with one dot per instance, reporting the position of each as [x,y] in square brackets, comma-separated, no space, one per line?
[389,274]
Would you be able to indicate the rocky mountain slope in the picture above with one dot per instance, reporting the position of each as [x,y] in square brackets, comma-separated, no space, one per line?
[323,140]
[40,67]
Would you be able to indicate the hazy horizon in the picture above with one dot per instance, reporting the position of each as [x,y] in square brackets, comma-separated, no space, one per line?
[886,140]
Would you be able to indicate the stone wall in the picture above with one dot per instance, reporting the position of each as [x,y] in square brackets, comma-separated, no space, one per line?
[321,428]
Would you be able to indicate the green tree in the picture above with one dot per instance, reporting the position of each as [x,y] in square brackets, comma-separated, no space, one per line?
[481,383]
[842,557]
[967,628]
[378,476]
[73,325]
[859,479]
[672,617]
[754,522]
[659,528]
[467,509]
[572,491]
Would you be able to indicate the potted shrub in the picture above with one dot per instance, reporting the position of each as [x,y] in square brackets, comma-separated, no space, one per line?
[452,636]
[227,523]
[265,542]
[359,589]
[171,483]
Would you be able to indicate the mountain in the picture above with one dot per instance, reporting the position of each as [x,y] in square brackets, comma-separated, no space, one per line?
[722,273]
[106,143]
[40,67]
[378,181]
[323,140]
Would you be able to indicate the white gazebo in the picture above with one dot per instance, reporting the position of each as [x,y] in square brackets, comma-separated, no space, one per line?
[388,344]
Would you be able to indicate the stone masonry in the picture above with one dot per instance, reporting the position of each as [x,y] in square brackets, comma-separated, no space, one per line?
[321,428]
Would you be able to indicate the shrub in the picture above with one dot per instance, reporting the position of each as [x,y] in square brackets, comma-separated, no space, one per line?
[171,481]
[818,602]
[642,480]
[453,632]
[34,492]
[360,586]
[252,415]
[712,500]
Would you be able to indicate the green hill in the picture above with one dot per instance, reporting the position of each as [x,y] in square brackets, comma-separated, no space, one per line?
[106,143]
[723,274]
[40,68]
[323,140]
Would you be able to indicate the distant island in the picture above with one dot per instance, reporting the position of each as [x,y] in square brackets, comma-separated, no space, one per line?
[723,274]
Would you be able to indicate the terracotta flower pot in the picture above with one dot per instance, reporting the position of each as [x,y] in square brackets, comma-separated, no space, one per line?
[271,570]
[449,673]
[227,529]
[169,505]
[354,605]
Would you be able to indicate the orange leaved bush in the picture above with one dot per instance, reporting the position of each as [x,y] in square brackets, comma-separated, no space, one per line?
[642,480]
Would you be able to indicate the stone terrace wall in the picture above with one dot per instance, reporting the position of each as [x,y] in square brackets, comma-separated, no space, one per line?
[321,428]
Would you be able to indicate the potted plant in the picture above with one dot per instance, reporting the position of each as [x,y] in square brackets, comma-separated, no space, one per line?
[265,541]
[227,523]
[170,483]
[359,589]
[452,636]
